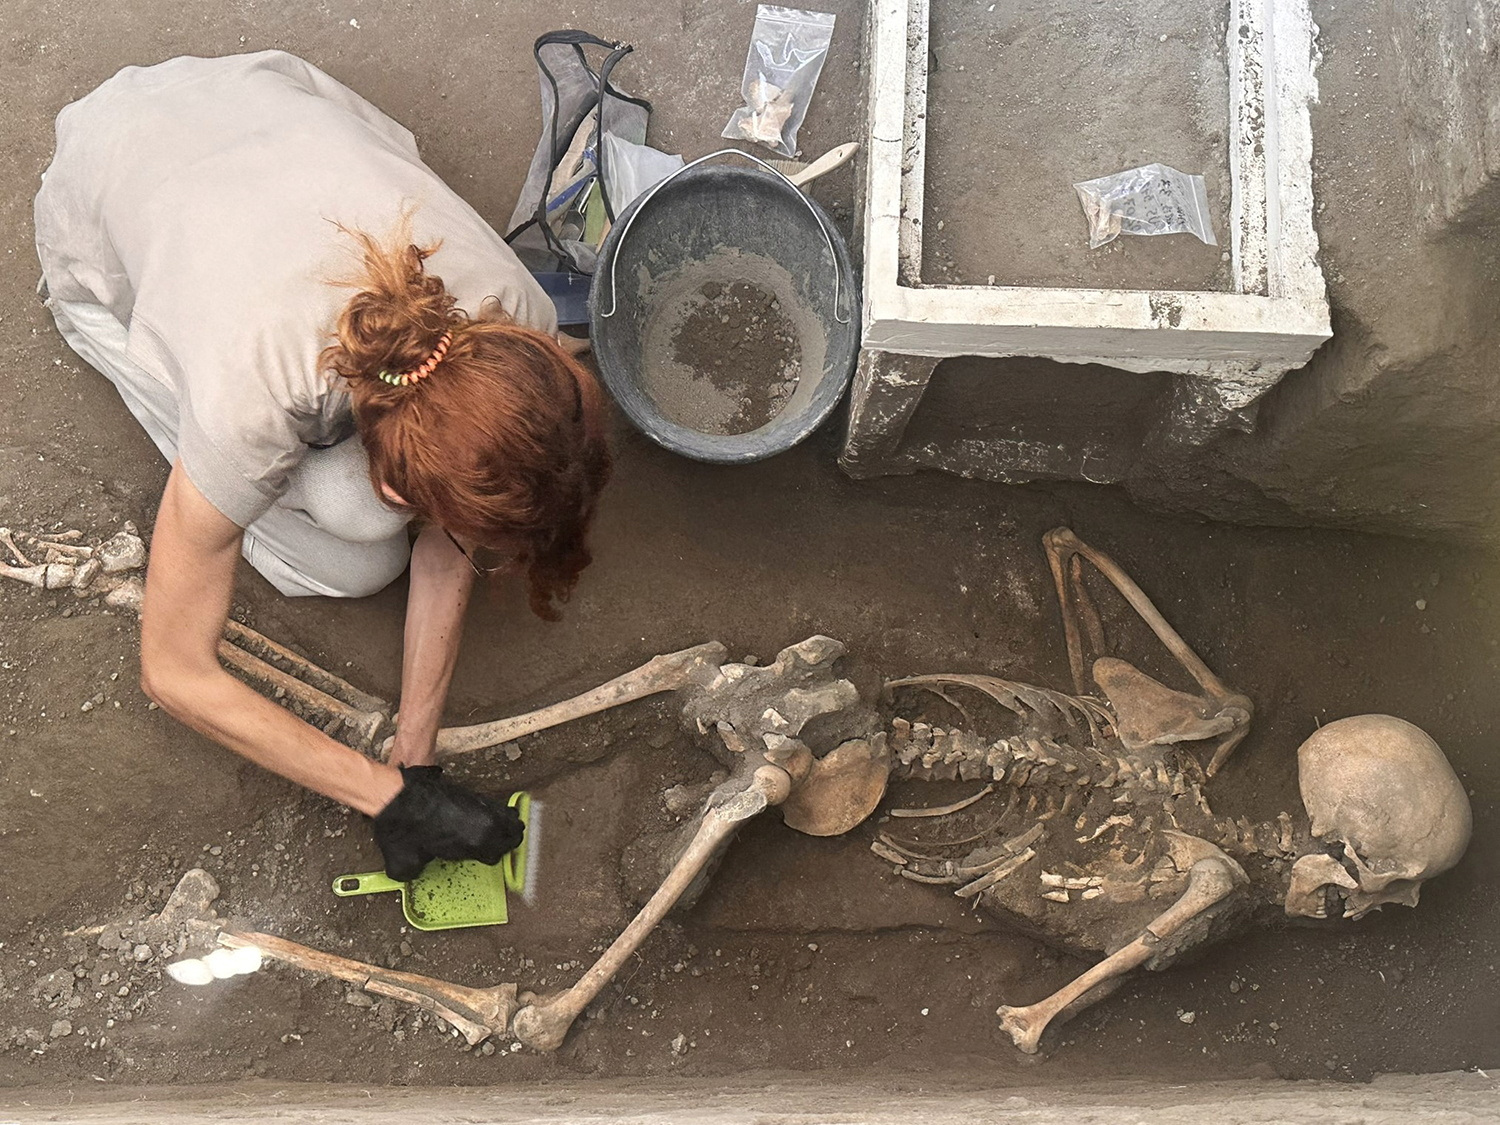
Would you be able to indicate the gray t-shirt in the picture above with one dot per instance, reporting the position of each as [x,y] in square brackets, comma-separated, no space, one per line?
[199,200]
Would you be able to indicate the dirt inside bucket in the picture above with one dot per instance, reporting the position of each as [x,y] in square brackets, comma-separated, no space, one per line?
[728,343]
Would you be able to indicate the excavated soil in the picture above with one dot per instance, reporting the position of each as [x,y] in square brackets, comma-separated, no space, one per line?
[735,359]
[804,953]
[729,343]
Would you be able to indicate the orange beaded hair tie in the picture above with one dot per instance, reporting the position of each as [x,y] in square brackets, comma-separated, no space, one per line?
[416,374]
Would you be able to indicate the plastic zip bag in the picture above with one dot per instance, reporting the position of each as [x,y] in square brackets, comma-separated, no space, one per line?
[787,49]
[1151,199]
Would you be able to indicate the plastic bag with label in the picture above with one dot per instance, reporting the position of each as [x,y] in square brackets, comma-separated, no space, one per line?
[1151,199]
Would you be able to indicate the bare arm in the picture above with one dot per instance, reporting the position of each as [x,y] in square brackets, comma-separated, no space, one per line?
[194,553]
[441,580]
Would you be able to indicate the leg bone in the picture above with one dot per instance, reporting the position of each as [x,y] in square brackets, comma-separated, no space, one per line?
[302,668]
[365,725]
[543,1024]
[477,1013]
[1064,548]
[661,673]
[1209,881]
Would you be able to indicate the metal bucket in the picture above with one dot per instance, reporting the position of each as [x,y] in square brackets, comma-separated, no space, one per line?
[698,227]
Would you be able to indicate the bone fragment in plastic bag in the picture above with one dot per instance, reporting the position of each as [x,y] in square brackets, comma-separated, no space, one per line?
[770,106]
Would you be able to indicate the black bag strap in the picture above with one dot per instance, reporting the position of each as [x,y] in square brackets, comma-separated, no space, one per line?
[603,89]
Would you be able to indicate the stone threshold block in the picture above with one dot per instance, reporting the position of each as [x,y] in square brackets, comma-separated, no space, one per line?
[1226,347]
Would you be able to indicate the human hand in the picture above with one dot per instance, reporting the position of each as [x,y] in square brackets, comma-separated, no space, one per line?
[432,818]
[409,751]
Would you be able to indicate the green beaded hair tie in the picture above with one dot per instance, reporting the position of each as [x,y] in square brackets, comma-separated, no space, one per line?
[417,374]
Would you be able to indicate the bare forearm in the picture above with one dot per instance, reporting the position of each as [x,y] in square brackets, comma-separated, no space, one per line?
[193,557]
[220,707]
[441,581]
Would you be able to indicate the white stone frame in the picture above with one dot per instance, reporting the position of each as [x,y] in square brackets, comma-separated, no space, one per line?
[1237,343]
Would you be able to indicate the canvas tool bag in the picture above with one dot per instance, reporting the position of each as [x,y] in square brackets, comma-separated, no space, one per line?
[567,202]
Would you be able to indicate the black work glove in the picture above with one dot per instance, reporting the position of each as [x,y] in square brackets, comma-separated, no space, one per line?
[436,819]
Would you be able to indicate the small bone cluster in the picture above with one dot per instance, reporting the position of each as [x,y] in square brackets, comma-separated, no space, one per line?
[63,560]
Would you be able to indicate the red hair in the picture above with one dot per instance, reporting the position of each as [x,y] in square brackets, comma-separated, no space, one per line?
[503,442]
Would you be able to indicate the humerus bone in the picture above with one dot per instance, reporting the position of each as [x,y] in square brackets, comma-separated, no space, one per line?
[669,672]
[543,1024]
[477,1013]
[1210,880]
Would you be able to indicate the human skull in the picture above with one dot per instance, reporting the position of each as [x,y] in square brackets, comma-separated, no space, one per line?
[1382,789]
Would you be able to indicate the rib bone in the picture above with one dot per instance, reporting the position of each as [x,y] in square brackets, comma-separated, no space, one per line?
[477,1013]
[670,672]
[542,1024]
[1209,880]
[303,669]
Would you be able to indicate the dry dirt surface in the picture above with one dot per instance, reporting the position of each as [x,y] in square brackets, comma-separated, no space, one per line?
[1027,98]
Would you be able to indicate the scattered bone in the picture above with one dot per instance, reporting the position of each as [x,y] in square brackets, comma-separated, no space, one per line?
[1284,833]
[58,552]
[35,575]
[1092,892]
[888,852]
[1111,822]
[123,551]
[1004,871]
[84,576]
[10,545]
[1026,839]
[1056,896]
[129,594]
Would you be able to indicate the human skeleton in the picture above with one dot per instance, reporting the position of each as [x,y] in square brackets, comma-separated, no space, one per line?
[1091,825]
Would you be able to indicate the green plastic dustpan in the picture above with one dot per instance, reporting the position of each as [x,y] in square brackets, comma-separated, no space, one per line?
[451,894]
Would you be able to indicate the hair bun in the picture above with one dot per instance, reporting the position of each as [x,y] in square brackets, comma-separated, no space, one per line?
[395,321]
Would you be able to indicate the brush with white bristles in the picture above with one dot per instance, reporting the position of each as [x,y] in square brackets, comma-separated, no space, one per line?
[527,855]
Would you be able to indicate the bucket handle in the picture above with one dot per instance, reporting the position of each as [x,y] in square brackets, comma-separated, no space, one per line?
[822,226]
